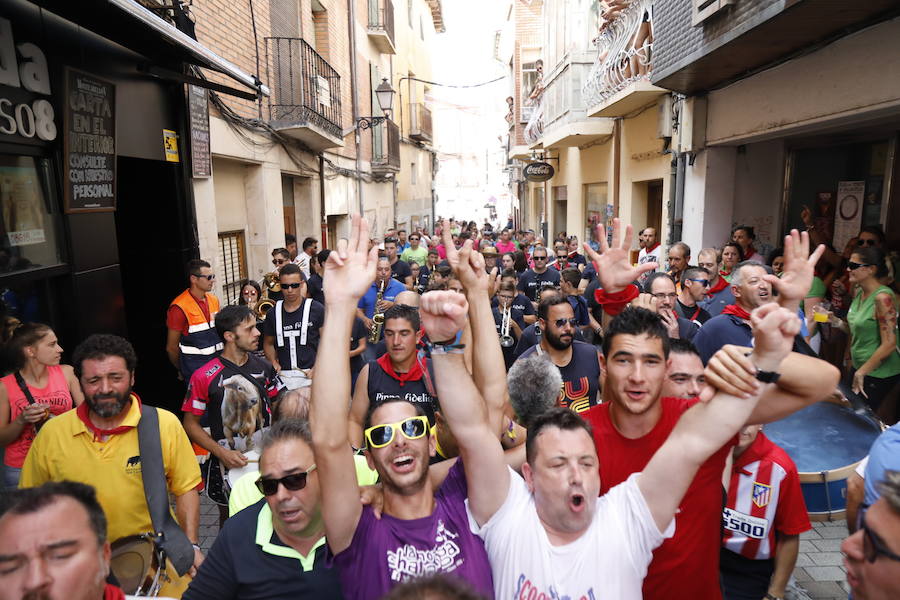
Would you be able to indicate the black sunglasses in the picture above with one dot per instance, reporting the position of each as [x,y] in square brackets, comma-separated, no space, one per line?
[206,277]
[540,258]
[293,482]
[291,286]
[278,261]
[852,266]
[865,242]
[560,322]
[873,545]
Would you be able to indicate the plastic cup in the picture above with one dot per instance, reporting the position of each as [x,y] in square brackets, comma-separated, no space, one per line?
[820,317]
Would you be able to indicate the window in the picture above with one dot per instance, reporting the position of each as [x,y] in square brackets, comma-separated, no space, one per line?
[30,222]
[233,262]
[530,77]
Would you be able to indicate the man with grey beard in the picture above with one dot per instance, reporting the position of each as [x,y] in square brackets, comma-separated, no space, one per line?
[97,444]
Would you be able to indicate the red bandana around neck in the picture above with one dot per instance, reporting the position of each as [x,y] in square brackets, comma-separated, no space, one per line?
[83,414]
[414,373]
[652,248]
[734,309]
[720,285]
[111,592]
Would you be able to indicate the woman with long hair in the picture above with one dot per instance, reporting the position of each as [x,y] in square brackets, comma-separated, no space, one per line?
[38,389]
[872,324]
[732,255]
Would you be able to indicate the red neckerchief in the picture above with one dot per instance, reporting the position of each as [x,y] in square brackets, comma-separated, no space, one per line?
[724,274]
[652,248]
[83,414]
[720,285]
[734,309]
[760,447]
[111,592]
[414,373]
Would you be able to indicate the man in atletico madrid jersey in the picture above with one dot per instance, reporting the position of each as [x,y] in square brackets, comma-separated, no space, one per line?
[762,521]
[635,419]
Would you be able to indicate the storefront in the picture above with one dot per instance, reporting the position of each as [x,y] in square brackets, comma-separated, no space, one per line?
[96,210]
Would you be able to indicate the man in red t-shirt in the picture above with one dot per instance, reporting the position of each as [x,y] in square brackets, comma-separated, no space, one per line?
[199,294]
[763,519]
[634,421]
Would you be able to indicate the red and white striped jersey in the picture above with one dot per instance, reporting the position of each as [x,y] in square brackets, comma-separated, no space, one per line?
[764,497]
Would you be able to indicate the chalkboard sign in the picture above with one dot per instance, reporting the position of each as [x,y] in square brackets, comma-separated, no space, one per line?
[90,143]
[198,113]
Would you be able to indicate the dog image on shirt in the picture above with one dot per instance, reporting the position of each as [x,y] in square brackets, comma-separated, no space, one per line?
[240,411]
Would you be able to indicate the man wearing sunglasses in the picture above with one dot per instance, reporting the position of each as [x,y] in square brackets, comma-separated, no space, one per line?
[694,285]
[578,362]
[398,374]
[719,294]
[291,330]
[274,548]
[872,554]
[422,530]
[192,339]
[538,277]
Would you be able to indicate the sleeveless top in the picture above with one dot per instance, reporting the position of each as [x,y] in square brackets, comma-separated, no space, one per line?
[864,334]
[384,387]
[55,394]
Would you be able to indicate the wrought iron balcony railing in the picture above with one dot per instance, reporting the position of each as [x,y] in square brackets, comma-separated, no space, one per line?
[625,54]
[420,122]
[305,88]
[386,147]
[381,19]
[535,128]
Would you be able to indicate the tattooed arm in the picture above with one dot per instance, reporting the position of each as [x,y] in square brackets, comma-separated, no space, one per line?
[886,317]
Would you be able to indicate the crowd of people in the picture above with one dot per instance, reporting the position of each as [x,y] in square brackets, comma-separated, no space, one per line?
[461,413]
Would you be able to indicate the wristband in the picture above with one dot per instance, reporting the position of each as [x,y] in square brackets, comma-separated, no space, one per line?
[448,347]
[770,596]
[614,303]
[196,546]
[765,376]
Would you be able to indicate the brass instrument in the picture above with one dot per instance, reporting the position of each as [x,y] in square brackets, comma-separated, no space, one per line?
[537,294]
[270,283]
[262,308]
[506,340]
[377,317]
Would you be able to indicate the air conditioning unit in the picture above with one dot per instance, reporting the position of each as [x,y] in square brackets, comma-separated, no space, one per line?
[692,127]
[664,117]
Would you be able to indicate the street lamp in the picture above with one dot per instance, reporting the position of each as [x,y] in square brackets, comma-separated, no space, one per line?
[384,93]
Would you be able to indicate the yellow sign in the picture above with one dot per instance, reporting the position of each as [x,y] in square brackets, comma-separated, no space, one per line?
[170,143]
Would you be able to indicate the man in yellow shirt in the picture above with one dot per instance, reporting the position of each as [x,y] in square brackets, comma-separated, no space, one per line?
[98,445]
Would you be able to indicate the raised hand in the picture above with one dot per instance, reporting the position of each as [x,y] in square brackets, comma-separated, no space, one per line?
[647,301]
[774,329]
[799,269]
[613,263]
[670,322]
[350,268]
[731,371]
[443,314]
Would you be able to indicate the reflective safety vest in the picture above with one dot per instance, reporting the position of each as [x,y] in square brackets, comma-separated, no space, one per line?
[202,342]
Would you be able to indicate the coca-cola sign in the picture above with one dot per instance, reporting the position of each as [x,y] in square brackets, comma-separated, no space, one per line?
[539,171]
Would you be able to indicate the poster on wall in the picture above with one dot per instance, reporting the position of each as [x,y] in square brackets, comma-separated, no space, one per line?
[848,213]
[90,143]
[20,203]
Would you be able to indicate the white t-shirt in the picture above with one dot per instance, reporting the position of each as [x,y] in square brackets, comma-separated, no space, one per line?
[302,261]
[645,257]
[608,561]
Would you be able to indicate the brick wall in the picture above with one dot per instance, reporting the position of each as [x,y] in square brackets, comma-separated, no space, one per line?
[528,23]
[675,39]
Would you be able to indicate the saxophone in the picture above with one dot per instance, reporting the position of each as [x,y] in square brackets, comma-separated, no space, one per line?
[377,317]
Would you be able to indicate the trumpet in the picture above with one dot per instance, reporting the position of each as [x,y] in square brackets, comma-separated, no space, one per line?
[377,317]
[271,283]
[262,308]
[506,340]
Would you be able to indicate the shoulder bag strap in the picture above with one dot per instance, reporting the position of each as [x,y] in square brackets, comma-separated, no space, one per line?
[245,371]
[169,535]
[24,387]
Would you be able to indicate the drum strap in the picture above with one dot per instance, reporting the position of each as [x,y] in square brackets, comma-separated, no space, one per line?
[168,534]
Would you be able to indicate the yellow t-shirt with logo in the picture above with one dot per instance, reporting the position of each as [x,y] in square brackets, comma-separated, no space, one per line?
[65,449]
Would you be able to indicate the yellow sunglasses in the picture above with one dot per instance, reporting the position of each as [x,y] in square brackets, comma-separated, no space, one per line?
[412,428]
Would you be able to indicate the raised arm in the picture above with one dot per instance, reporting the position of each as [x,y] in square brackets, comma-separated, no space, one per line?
[487,357]
[799,269]
[707,426]
[349,271]
[487,476]
[804,380]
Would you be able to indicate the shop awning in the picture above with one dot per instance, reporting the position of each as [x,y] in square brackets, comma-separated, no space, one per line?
[133,26]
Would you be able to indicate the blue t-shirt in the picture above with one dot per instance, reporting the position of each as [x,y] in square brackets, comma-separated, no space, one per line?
[367,302]
[721,330]
[883,456]
[716,303]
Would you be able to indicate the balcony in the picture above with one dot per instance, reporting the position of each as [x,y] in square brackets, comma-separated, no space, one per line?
[564,119]
[386,148]
[535,128]
[420,123]
[619,81]
[306,94]
[381,25]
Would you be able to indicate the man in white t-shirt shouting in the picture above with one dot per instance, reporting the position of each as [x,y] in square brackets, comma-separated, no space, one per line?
[549,535]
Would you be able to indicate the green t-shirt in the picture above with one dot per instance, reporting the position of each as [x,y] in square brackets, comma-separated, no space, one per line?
[419,256]
[817,289]
[865,337]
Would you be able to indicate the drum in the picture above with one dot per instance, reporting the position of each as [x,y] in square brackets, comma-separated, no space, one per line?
[826,441]
[135,562]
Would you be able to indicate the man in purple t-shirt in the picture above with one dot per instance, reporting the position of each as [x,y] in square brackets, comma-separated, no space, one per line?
[421,531]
